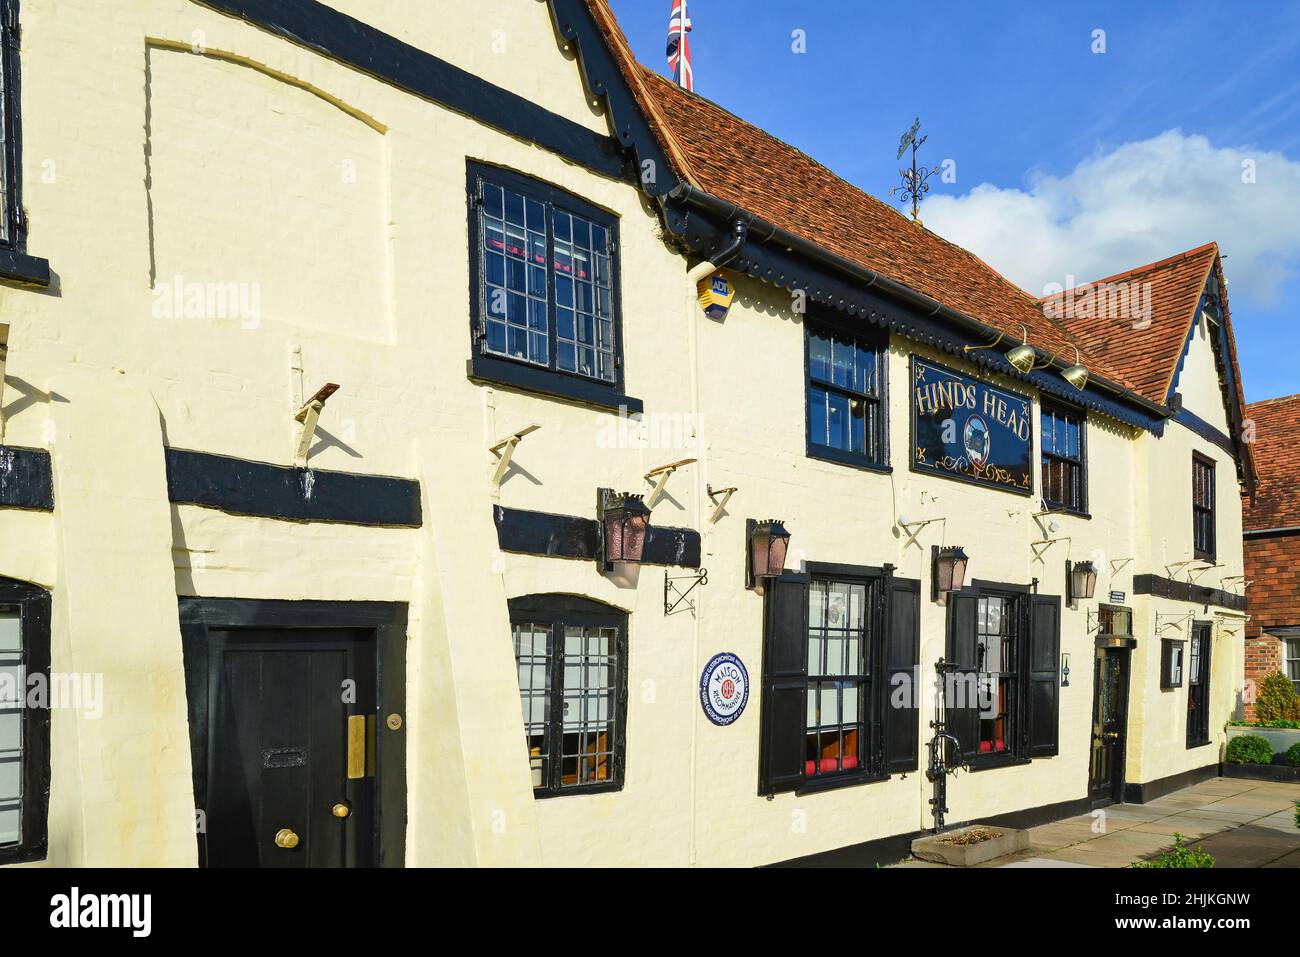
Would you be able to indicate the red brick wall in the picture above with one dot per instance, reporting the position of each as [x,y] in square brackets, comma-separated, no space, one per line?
[1273,564]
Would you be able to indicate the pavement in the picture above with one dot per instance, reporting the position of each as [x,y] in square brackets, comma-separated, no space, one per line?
[1241,823]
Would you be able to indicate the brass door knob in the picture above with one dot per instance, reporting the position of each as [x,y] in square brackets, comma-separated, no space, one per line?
[341,810]
[286,838]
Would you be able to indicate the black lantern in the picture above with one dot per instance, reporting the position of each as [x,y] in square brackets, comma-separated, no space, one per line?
[1080,581]
[624,521]
[949,572]
[768,543]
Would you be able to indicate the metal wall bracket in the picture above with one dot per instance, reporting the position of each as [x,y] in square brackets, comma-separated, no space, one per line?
[674,596]
[1173,621]
[719,506]
[659,478]
[308,416]
[505,450]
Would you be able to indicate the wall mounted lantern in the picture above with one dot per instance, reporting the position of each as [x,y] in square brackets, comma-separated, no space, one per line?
[623,522]
[948,574]
[1077,374]
[1022,357]
[1080,582]
[768,542]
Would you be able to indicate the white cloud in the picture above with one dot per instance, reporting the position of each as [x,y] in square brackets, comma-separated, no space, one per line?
[1138,203]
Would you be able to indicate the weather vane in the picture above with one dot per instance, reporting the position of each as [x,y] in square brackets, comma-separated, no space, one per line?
[915,180]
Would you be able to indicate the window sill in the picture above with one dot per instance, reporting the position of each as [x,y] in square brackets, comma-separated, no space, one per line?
[826,454]
[837,781]
[985,762]
[22,855]
[543,794]
[1071,512]
[19,267]
[1193,745]
[493,371]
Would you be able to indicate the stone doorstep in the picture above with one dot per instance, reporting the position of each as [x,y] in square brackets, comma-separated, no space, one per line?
[930,848]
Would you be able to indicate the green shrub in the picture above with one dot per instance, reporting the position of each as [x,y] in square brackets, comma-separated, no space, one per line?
[1293,755]
[1249,749]
[1276,699]
[1179,856]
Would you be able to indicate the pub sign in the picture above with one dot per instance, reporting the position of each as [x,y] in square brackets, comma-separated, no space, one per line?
[971,431]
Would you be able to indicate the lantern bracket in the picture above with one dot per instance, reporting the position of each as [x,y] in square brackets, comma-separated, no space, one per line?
[1117,564]
[659,478]
[674,596]
[1245,582]
[913,528]
[505,450]
[719,507]
[1173,621]
[1040,548]
[1173,568]
[1094,621]
[1195,573]
[307,417]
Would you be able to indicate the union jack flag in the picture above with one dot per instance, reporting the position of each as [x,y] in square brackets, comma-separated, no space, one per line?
[679,46]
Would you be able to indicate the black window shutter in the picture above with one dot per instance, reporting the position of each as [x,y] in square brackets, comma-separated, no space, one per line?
[962,700]
[784,720]
[902,657]
[1044,689]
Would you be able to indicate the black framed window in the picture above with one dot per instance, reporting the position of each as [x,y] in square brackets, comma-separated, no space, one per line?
[24,726]
[839,668]
[545,276]
[997,662]
[571,655]
[1064,455]
[1115,620]
[846,396]
[1001,699]
[1198,684]
[11,224]
[1172,653]
[1203,522]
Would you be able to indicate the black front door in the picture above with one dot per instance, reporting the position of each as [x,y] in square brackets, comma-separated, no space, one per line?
[1109,721]
[290,757]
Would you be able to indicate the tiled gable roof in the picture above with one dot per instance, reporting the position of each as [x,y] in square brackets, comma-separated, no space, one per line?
[1145,355]
[1276,503]
[721,154]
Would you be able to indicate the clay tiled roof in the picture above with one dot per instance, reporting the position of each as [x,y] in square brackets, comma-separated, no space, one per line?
[1145,355]
[721,154]
[1276,502]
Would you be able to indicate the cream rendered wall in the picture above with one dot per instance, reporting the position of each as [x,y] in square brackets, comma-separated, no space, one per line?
[1198,380]
[183,142]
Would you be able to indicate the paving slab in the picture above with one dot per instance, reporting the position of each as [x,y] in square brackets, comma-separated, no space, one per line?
[1186,825]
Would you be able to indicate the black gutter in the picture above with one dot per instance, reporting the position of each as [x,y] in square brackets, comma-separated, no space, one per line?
[768,232]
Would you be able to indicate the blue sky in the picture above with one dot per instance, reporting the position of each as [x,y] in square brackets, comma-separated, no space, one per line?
[1069,162]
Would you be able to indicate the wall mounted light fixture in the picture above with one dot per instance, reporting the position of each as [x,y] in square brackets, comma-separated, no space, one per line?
[1080,582]
[948,571]
[622,525]
[1077,374]
[1022,356]
[767,544]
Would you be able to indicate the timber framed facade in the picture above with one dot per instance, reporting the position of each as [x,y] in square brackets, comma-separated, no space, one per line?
[493,260]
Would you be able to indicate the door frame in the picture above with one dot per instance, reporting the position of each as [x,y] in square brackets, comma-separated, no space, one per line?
[1124,647]
[386,620]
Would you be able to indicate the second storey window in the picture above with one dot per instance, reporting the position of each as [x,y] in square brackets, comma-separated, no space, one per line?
[1203,530]
[544,270]
[1064,462]
[571,655]
[846,389]
[10,201]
